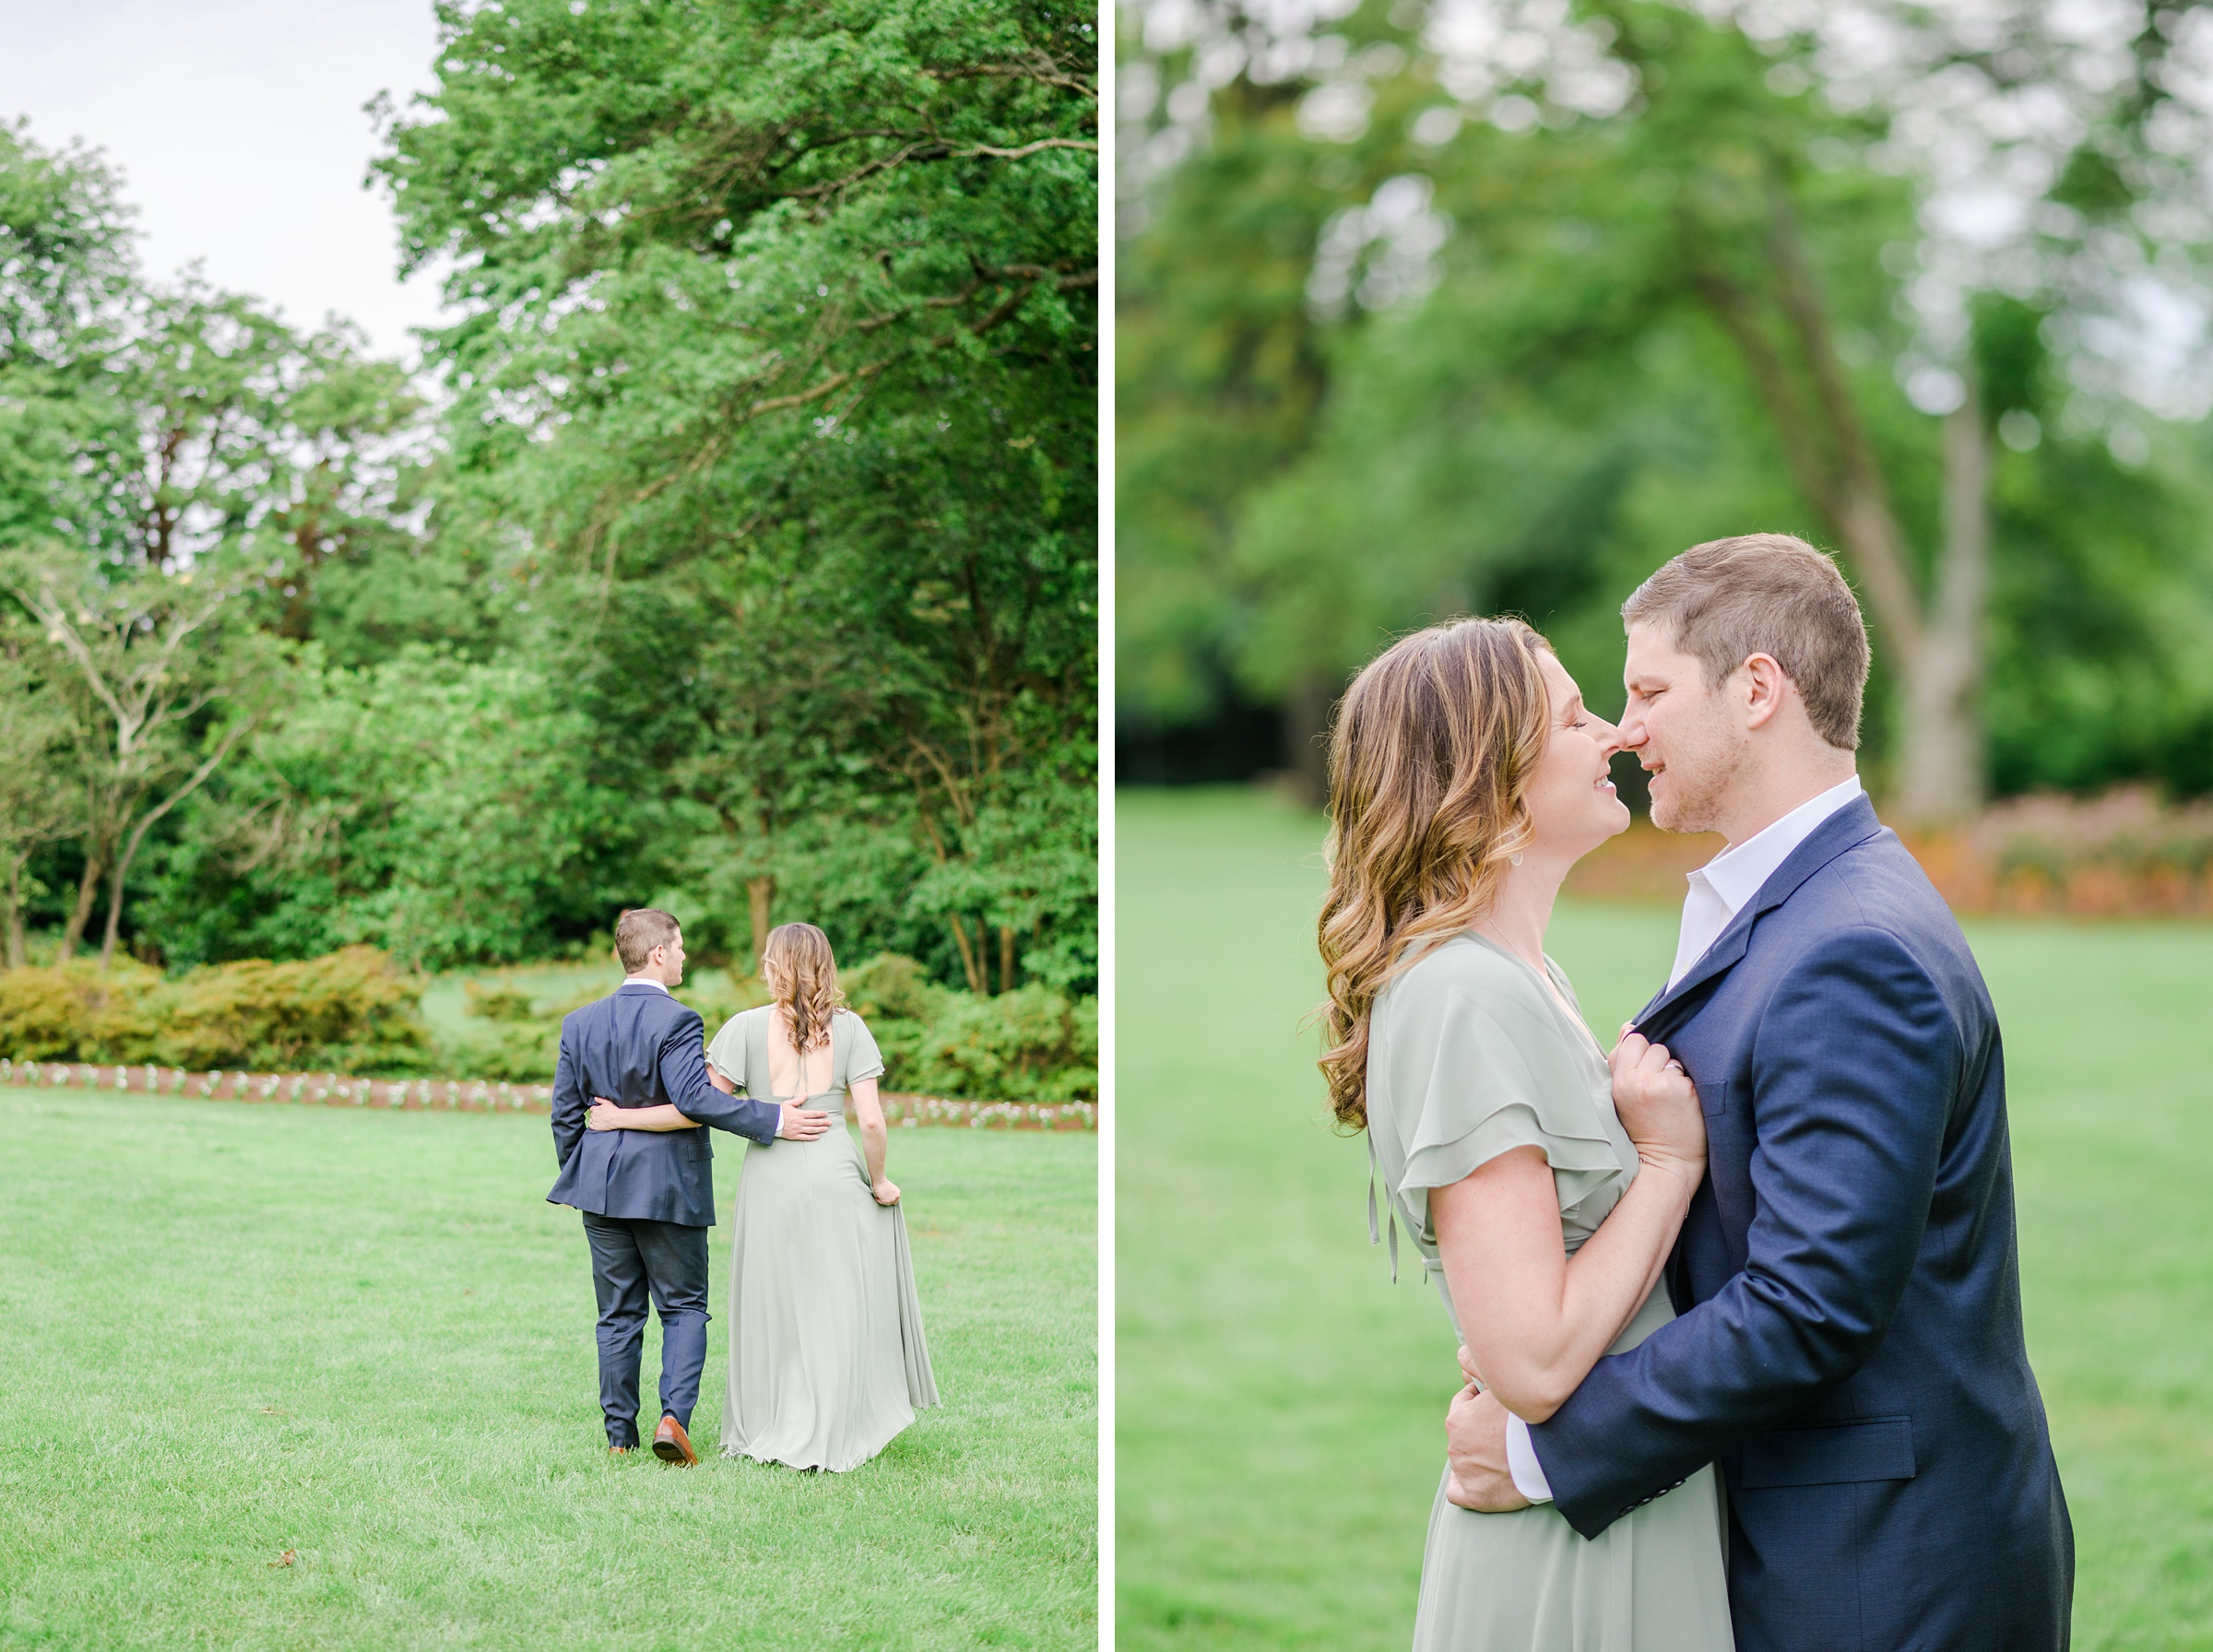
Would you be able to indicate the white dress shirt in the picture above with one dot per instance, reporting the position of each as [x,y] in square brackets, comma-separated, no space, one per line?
[647,981]
[1718,892]
[1719,889]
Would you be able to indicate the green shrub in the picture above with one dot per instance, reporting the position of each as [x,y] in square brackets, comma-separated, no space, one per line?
[891,987]
[517,1052]
[500,1001]
[1031,1044]
[896,996]
[78,1011]
[352,1011]
[349,1012]
[504,1036]
[718,999]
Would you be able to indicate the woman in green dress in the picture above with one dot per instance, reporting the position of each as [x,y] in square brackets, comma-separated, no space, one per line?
[827,1356]
[1542,1182]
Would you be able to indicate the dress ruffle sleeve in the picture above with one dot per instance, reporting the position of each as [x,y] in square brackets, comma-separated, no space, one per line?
[727,1053]
[863,1060]
[1478,1067]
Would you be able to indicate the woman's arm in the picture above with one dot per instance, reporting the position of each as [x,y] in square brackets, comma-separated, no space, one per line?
[873,1138]
[606,1115]
[1535,1319]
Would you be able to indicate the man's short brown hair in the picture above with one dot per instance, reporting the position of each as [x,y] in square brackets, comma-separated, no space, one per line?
[638,931]
[1770,594]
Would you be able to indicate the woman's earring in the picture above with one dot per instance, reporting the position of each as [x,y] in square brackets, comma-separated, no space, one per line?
[1513,860]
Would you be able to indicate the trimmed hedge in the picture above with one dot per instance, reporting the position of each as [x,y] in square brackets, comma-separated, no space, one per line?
[1032,1044]
[350,1011]
[354,1012]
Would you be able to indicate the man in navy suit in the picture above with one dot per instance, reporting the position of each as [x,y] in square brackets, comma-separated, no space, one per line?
[648,1197]
[1850,1349]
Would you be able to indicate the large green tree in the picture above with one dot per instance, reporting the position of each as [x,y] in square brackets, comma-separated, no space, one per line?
[777,373]
[1583,287]
[176,463]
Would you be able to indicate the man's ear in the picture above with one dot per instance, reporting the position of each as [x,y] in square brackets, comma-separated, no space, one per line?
[1766,685]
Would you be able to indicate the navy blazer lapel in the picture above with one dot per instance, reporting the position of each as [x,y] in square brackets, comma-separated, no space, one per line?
[1848,828]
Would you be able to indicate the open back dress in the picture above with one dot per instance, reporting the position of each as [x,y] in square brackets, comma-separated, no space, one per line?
[827,1356]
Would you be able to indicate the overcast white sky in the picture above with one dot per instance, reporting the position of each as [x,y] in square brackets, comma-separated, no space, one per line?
[238,129]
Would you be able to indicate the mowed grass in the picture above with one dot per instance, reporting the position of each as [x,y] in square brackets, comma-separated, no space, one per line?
[1281,1404]
[297,1377]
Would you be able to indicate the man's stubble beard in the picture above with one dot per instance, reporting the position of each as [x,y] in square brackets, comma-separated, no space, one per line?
[1699,780]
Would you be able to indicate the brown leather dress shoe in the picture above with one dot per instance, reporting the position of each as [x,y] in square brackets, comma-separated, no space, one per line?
[620,1450]
[672,1444]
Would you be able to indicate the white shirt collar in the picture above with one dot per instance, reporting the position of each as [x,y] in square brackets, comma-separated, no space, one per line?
[1737,873]
[644,981]
[1719,889]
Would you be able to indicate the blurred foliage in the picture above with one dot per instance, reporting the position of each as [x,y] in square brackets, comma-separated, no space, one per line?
[747,568]
[780,346]
[1032,1044]
[1383,366]
[349,1012]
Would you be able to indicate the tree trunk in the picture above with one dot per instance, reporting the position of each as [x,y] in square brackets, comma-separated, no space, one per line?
[88,891]
[15,910]
[1006,958]
[1940,747]
[1937,647]
[115,887]
[972,960]
[1305,737]
[760,893]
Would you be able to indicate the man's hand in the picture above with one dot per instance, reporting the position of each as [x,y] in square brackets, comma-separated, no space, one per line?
[1475,1442]
[801,1124]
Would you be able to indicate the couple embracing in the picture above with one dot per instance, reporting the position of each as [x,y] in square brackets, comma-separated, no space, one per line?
[1739,1299]
[827,1356]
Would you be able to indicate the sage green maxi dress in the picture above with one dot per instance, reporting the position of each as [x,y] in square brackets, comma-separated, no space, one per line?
[827,1356]
[1469,1056]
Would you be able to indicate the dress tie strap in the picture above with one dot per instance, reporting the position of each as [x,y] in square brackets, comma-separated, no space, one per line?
[1373,1236]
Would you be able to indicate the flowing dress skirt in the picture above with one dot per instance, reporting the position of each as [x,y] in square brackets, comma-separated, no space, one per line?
[1654,1581]
[827,1356]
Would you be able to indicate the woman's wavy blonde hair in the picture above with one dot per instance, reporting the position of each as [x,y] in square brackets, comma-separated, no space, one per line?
[801,974]
[1430,753]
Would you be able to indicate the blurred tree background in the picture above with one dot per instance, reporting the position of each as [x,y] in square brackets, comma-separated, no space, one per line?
[734,551]
[1438,306]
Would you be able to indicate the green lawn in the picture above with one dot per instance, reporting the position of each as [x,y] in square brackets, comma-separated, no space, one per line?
[1282,1404]
[237,1332]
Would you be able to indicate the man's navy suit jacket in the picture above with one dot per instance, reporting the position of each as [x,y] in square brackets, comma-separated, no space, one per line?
[639,1047]
[1850,1349]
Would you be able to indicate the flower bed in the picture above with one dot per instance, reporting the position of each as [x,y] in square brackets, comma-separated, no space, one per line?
[466,1095]
[2125,854]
